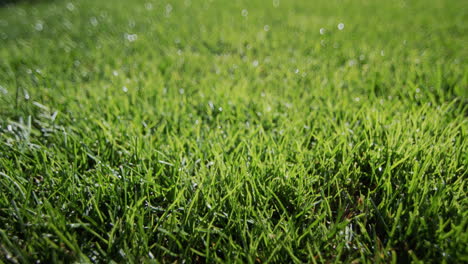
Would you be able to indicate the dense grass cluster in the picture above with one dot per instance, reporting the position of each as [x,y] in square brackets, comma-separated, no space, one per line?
[233,131]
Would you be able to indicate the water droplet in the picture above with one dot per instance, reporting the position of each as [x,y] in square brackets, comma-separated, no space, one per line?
[255,63]
[382,53]
[39,26]
[94,22]
[168,10]
[131,37]
[244,13]
[125,89]
[149,6]
[68,24]
[380,168]
[340,26]
[3,90]
[266,28]
[10,128]
[181,91]
[322,31]
[115,73]
[70,6]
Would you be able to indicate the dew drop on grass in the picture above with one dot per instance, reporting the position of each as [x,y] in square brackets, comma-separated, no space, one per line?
[131,37]
[94,22]
[244,13]
[266,28]
[3,90]
[39,26]
[168,10]
[149,6]
[255,63]
[68,24]
[70,6]
[340,26]
[351,63]
[322,31]
[125,89]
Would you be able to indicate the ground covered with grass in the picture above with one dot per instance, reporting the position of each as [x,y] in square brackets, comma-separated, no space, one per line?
[233,131]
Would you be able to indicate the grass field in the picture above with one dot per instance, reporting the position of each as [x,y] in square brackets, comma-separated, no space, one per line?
[234,131]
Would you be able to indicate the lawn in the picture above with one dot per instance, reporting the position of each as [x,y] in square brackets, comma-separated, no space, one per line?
[240,131]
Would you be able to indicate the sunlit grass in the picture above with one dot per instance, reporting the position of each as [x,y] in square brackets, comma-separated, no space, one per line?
[233,131]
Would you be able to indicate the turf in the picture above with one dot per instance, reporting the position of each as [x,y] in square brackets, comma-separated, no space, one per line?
[234,131]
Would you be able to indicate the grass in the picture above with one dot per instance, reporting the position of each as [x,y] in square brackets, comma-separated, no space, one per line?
[234,131]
